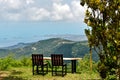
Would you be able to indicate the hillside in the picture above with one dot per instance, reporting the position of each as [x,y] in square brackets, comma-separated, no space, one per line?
[49,46]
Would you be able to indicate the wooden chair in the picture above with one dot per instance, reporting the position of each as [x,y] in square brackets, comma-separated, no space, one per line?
[57,62]
[37,61]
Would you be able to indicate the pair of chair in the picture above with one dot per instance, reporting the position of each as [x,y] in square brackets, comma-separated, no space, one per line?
[57,62]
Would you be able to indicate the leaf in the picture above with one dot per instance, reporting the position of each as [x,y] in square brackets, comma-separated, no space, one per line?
[82,2]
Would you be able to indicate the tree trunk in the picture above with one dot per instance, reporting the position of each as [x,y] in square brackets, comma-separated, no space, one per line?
[90,59]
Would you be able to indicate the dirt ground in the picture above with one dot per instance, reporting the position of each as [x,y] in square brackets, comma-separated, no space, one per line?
[3,74]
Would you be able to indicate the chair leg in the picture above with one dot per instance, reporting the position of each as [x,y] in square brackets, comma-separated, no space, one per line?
[47,68]
[65,69]
[62,71]
[37,70]
[33,70]
[52,70]
[55,70]
[42,70]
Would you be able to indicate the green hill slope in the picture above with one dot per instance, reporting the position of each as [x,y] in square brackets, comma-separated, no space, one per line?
[49,46]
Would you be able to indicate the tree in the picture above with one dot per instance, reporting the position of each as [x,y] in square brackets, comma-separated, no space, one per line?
[103,33]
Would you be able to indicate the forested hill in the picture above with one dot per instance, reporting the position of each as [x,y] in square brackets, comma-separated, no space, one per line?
[49,46]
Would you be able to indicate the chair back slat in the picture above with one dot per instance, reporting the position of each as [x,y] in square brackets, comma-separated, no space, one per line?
[57,59]
[37,59]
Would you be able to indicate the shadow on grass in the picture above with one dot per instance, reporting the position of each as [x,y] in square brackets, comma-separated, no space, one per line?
[14,72]
[74,72]
[68,71]
[13,76]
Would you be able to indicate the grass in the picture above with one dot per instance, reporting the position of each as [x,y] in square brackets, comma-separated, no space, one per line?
[25,73]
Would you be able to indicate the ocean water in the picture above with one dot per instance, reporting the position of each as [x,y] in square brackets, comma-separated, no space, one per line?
[12,33]
[9,41]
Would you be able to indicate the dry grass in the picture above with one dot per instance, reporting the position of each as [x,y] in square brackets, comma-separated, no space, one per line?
[25,73]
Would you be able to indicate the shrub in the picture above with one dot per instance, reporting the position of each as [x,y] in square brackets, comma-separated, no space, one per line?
[26,61]
[6,63]
[84,65]
[10,61]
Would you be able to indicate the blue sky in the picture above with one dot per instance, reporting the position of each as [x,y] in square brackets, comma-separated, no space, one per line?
[29,20]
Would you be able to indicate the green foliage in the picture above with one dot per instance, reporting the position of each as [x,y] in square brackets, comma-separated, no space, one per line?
[26,61]
[84,65]
[16,63]
[103,20]
[5,63]
[9,61]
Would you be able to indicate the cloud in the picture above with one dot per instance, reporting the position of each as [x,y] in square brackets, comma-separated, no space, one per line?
[13,10]
[16,17]
[15,4]
[11,4]
[29,1]
[78,10]
[61,12]
[57,1]
[36,14]
[29,10]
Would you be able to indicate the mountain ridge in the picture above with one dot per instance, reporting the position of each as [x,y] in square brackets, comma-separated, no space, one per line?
[53,45]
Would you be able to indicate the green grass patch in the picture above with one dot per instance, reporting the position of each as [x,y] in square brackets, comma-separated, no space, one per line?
[25,73]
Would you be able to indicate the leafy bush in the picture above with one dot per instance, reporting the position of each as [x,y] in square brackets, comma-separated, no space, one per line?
[84,65]
[10,61]
[26,61]
[6,63]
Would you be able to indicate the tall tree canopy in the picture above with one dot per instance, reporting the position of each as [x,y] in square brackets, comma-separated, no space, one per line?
[103,20]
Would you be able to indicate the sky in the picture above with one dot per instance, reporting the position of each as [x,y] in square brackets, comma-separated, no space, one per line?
[30,20]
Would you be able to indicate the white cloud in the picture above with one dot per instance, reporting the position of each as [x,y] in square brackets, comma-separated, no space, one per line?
[15,4]
[61,12]
[29,1]
[58,10]
[38,14]
[57,1]
[78,10]
[9,16]
[1,1]
[14,9]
